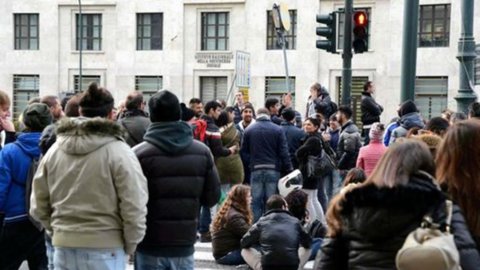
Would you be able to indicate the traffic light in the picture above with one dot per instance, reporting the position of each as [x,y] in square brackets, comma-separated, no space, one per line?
[329,31]
[360,33]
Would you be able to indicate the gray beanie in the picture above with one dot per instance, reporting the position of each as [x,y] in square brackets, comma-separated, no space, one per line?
[37,116]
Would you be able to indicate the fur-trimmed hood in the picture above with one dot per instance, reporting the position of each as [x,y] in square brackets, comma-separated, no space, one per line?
[381,213]
[80,136]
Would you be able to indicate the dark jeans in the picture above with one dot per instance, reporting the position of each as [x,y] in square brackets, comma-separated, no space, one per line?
[322,195]
[205,220]
[263,184]
[22,241]
[232,258]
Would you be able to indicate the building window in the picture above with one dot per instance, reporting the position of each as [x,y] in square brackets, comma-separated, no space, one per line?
[215,31]
[431,94]
[92,32]
[434,26]
[356,97]
[341,26]
[25,87]
[26,31]
[148,85]
[290,36]
[86,81]
[213,88]
[275,87]
[149,31]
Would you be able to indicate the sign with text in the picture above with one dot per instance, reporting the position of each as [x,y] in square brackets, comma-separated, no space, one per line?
[242,69]
[213,60]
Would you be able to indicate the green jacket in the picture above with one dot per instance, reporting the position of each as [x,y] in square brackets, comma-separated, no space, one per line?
[89,190]
[230,168]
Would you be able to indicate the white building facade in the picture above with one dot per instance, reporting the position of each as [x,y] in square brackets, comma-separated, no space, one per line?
[191,48]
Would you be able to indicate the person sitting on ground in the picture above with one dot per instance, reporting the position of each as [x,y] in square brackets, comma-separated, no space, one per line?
[230,224]
[297,205]
[282,241]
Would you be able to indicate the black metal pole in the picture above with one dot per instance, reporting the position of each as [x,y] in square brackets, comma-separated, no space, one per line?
[347,54]
[466,56]
[409,51]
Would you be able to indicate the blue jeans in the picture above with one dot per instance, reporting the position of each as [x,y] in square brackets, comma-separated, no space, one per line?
[89,258]
[232,258]
[147,262]
[205,220]
[332,183]
[263,184]
[316,244]
[50,252]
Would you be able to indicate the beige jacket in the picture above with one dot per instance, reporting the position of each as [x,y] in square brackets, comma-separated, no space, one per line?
[89,190]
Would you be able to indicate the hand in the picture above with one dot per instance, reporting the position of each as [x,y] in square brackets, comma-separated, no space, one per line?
[326,136]
[7,124]
[287,100]
[233,149]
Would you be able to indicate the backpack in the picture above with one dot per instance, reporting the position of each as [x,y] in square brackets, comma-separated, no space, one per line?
[32,169]
[199,127]
[430,247]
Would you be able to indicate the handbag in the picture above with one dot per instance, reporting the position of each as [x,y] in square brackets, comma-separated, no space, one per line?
[429,247]
[319,165]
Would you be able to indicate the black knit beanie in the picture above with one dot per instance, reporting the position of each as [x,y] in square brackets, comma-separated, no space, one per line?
[164,107]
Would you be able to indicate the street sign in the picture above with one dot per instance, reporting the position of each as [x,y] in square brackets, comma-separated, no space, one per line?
[242,69]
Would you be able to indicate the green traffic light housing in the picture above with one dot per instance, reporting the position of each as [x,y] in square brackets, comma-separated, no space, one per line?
[329,31]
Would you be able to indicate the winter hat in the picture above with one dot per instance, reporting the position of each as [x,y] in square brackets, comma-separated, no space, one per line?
[187,113]
[164,107]
[376,132]
[407,107]
[37,116]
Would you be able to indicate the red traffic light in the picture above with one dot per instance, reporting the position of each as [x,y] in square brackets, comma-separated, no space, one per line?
[360,18]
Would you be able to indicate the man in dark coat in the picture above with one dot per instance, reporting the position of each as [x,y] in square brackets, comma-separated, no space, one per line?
[279,236]
[371,110]
[349,142]
[293,134]
[181,176]
[135,120]
[267,146]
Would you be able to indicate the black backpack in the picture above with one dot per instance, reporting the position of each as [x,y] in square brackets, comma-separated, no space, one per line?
[32,169]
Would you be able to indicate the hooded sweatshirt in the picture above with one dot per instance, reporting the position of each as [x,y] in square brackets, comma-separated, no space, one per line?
[90,187]
[15,159]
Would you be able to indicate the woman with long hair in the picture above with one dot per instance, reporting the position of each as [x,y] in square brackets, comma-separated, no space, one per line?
[313,146]
[458,163]
[231,222]
[230,168]
[369,222]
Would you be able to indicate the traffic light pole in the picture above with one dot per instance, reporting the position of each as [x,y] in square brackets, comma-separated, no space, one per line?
[409,51]
[347,54]
[284,48]
[466,56]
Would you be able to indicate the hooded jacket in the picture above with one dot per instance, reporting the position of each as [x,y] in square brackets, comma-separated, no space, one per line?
[376,222]
[348,147]
[15,159]
[89,190]
[279,235]
[181,176]
[230,169]
[407,121]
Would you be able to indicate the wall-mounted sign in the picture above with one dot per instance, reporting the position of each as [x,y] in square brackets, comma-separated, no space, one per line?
[213,60]
[242,69]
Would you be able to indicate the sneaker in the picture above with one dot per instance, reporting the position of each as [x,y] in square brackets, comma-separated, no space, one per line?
[205,237]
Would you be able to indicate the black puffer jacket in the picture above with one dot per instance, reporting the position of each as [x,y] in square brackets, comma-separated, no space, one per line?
[376,222]
[279,235]
[371,110]
[181,176]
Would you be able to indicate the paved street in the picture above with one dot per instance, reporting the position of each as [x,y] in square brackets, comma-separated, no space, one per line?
[203,259]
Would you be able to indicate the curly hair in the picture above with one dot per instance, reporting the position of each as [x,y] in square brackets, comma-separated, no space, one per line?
[297,203]
[238,199]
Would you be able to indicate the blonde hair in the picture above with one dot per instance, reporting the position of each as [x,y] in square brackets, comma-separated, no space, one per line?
[4,99]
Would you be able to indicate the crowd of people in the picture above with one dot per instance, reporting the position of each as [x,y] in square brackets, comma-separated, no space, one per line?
[85,185]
